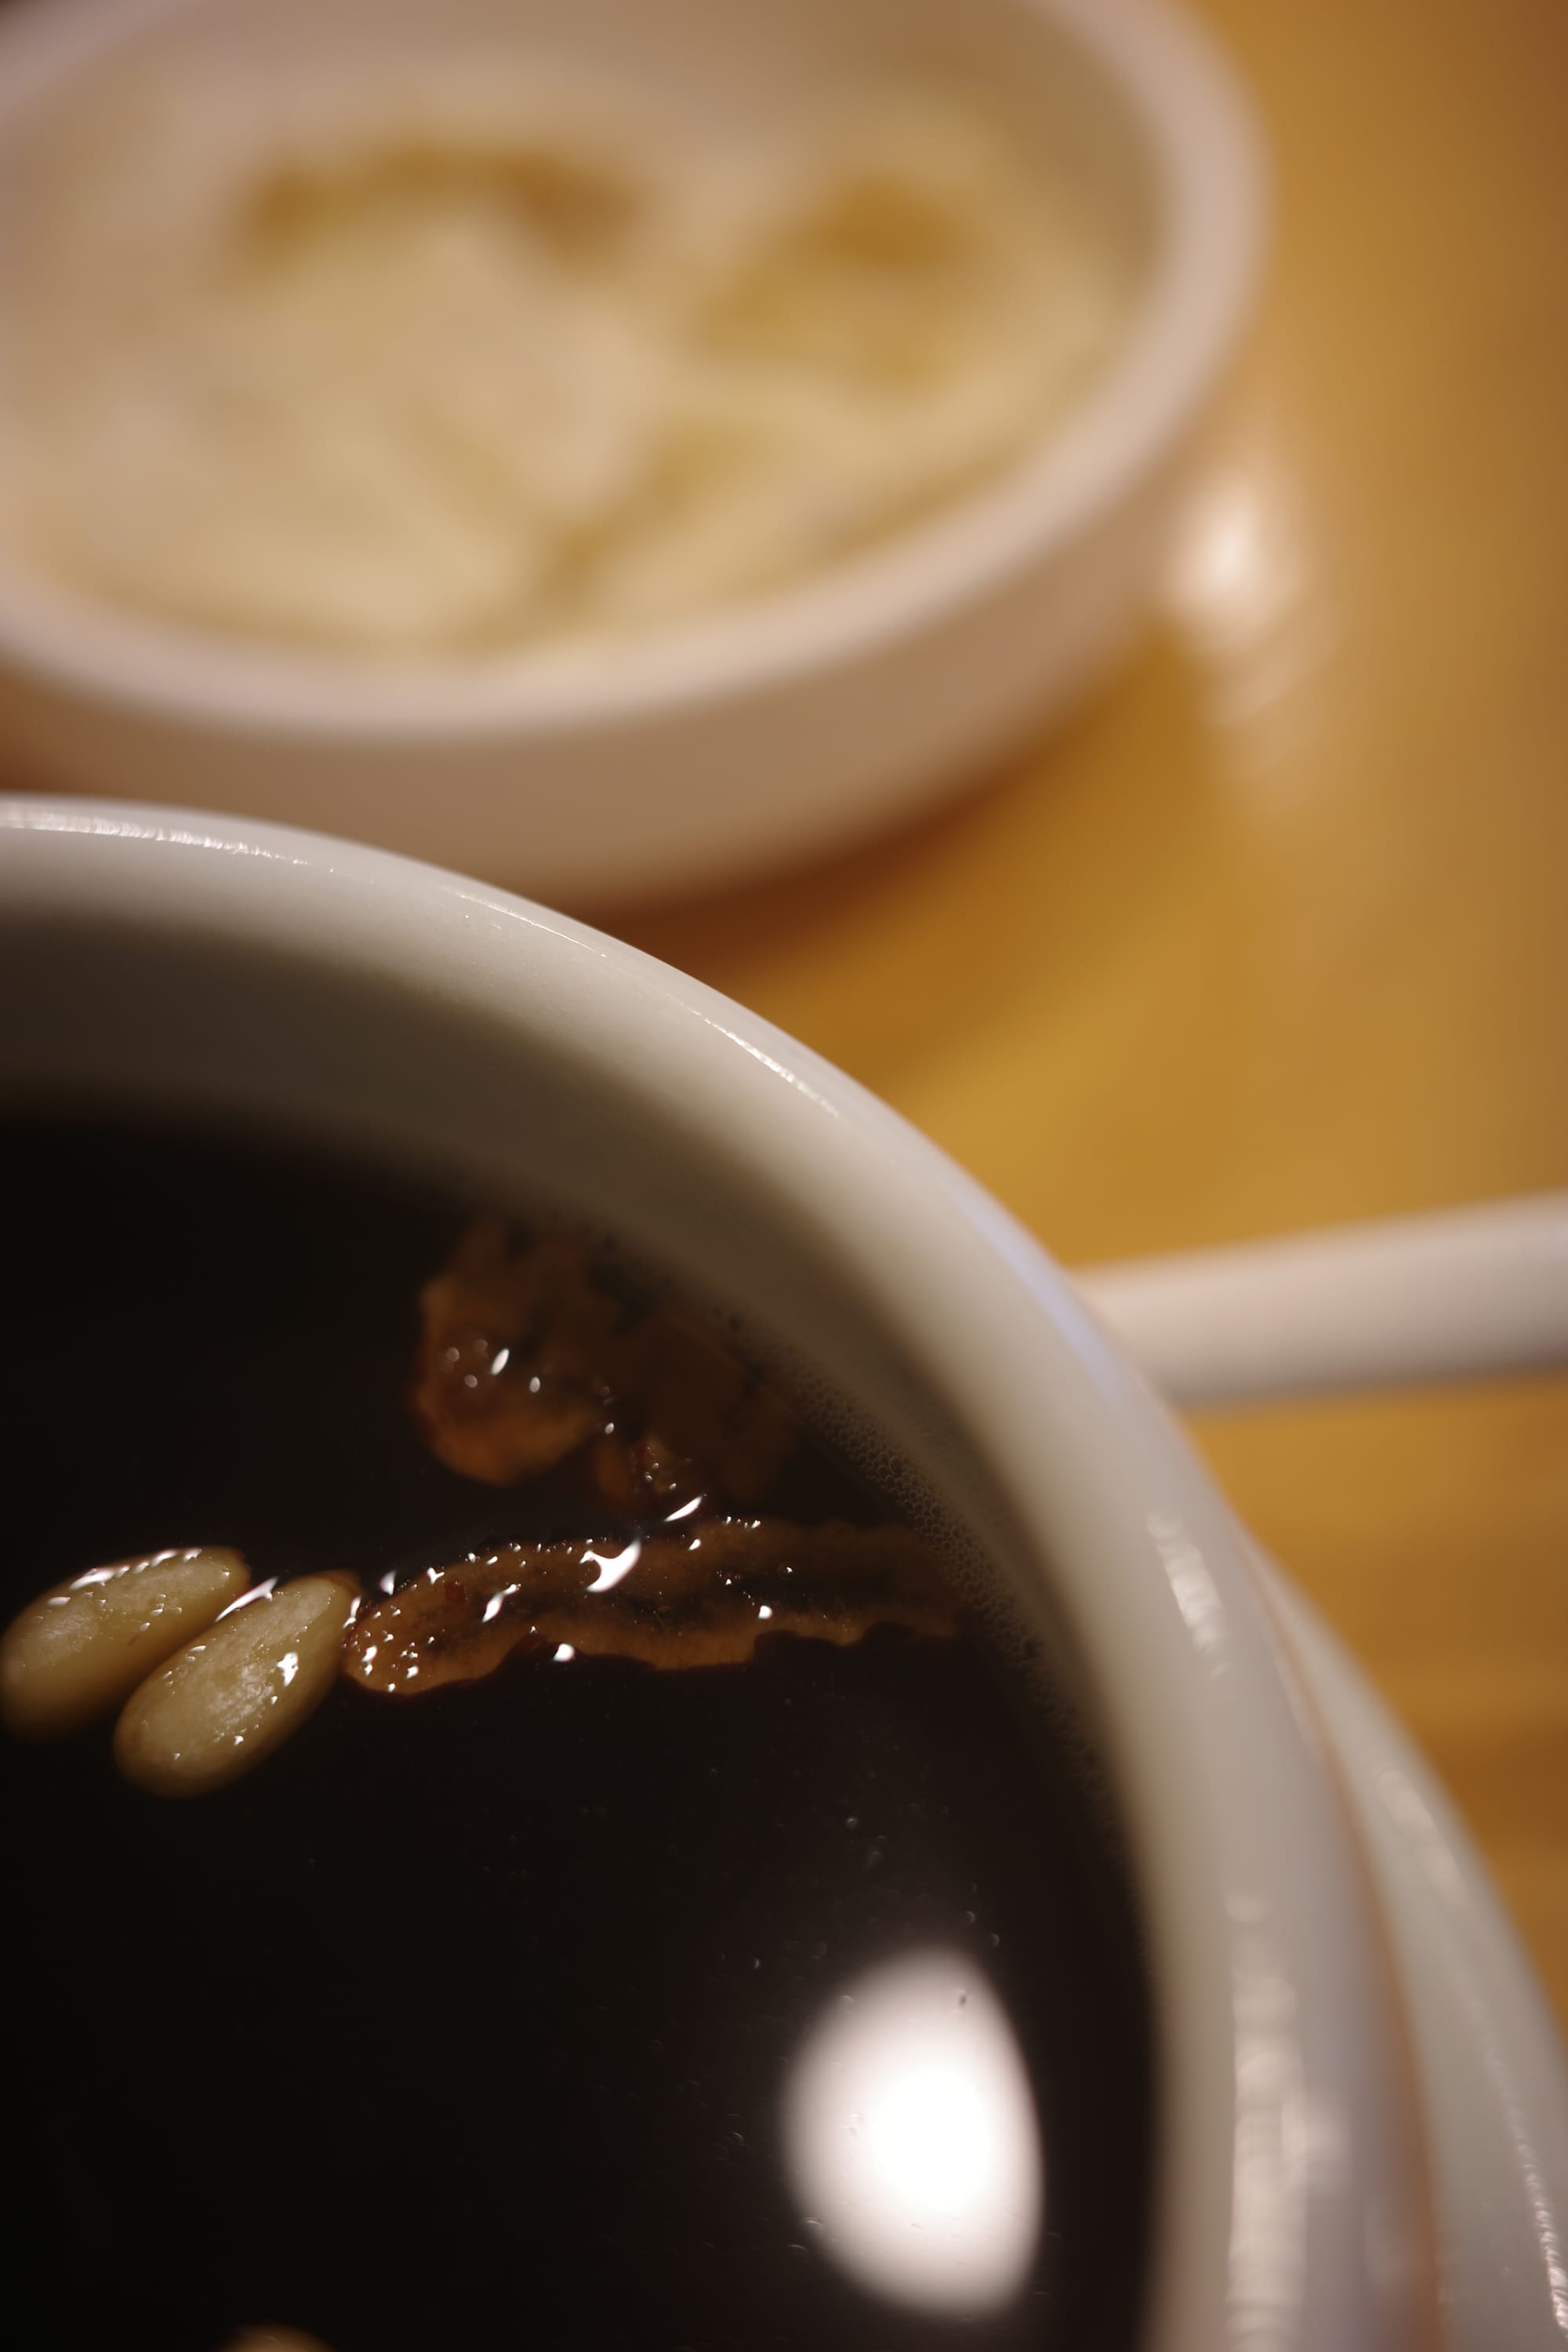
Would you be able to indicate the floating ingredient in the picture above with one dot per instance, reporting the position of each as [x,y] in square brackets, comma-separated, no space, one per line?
[79,1650]
[671,1600]
[229,1700]
[524,1356]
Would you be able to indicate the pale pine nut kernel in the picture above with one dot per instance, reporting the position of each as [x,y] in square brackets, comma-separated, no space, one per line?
[232,1697]
[80,1648]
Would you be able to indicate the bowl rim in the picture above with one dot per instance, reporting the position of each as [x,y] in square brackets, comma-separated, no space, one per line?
[1208,161]
[1290,2195]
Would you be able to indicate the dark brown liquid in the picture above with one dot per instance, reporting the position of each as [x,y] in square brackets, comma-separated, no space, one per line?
[465,2022]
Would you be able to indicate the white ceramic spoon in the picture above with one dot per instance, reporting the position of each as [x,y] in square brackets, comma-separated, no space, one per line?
[1460,1296]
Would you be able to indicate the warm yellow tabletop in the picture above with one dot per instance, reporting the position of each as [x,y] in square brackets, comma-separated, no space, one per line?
[1277,933]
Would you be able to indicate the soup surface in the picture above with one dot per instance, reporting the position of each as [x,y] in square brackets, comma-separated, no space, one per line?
[599,1997]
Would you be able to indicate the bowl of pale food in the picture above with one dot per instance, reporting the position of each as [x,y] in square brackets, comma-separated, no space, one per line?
[606,447]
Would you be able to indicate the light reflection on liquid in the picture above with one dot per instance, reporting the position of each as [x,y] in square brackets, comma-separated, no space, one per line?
[911,2138]
[613,1566]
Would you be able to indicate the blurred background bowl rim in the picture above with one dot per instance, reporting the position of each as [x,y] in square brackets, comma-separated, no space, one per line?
[1208,167]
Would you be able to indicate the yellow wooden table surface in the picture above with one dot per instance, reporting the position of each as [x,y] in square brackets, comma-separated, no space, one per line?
[1277,933]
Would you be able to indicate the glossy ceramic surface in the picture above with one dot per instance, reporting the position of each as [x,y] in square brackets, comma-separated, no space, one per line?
[1494,2087]
[335,991]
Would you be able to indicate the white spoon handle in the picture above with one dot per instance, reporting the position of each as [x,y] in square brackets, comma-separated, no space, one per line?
[1473,1292]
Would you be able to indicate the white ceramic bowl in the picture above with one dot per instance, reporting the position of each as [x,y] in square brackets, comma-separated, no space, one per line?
[752,737]
[332,991]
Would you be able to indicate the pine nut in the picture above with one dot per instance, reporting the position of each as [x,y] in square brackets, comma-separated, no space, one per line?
[80,1649]
[232,1697]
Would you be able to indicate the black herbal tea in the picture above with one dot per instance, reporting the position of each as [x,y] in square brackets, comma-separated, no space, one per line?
[511,1839]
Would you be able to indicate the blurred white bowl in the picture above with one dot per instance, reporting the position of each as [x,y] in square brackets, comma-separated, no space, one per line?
[604,772]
